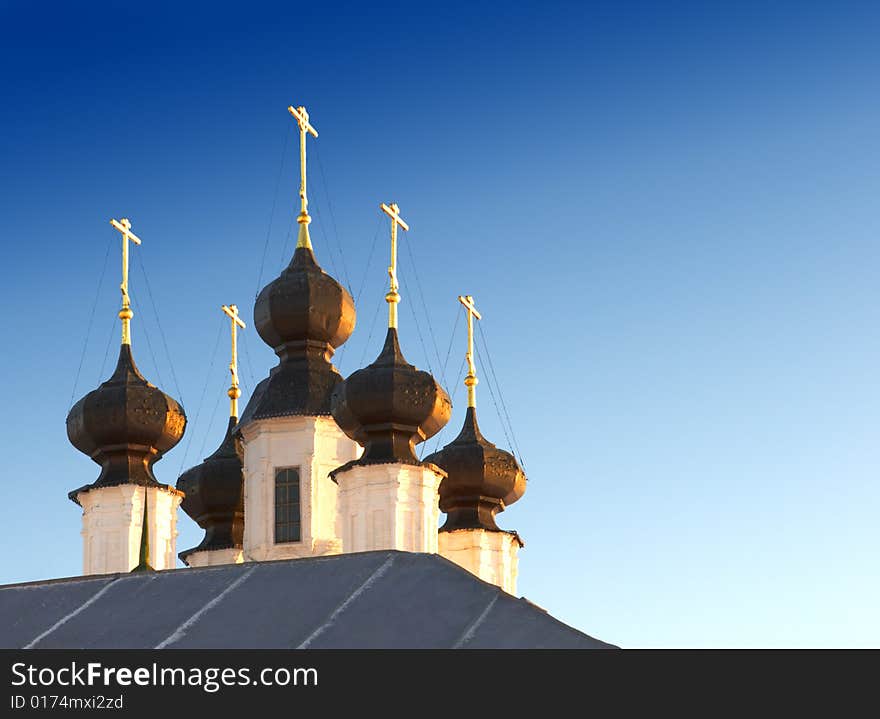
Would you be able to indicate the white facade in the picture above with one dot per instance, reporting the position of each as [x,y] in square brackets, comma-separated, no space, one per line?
[213,557]
[389,506]
[112,522]
[312,445]
[492,556]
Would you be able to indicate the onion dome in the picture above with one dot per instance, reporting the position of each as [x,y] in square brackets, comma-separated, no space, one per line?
[214,497]
[304,315]
[390,406]
[481,479]
[125,425]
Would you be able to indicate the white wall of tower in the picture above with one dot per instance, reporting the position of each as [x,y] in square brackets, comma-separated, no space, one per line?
[492,556]
[213,557]
[388,506]
[314,445]
[112,522]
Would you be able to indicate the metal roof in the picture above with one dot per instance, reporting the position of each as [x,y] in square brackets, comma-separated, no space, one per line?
[383,599]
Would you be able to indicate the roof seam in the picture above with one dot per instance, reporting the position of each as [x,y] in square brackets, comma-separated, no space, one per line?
[372,579]
[472,629]
[91,600]
[180,632]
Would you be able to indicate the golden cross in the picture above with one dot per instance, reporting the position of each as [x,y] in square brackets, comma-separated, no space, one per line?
[125,314]
[305,127]
[234,392]
[471,380]
[393,296]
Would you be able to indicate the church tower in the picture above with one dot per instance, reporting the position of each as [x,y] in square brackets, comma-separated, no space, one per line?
[289,439]
[388,498]
[214,489]
[481,480]
[126,425]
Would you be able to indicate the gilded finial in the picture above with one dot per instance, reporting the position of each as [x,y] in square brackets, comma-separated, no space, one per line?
[305,127]
[470,381]
[143,564]
[393,296]
[234,392]
[125,314]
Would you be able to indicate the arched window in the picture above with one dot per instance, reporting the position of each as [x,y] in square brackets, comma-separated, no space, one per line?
[287,513]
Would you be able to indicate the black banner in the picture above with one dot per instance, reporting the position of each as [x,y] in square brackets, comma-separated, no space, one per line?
[228,683]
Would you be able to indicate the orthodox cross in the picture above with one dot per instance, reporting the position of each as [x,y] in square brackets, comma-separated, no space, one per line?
[393,296]
[471,380]
[125,314]
[305,127]
[234,392]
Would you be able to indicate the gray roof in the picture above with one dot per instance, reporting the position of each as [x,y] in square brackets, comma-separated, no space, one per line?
[382,599]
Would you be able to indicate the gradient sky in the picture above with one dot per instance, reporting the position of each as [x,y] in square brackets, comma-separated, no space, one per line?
[667,214]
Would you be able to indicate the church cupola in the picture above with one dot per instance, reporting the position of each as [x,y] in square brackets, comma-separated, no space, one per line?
[126,425]
[304,315]
[289,440]
[214,489]
[387,497]
[481,481]
[390,406]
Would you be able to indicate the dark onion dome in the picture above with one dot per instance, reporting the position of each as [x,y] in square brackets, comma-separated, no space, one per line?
[304,315]
[390,406]
[125,425]
[214,497]
[481,479]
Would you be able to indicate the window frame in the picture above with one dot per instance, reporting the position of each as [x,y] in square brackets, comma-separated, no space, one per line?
[276,523]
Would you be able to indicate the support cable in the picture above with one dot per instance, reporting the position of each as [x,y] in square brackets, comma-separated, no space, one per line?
[91,322]
[221,325]
[272,213]
[243,382]
[495,401]
[210,425]
[370,336]
[452,399]
[369,258]
[515,444]
[412,307]
[451,341]
[107,351]
[159,324]
[424,305]
[366,274]
[332,218]
[143,325]
[316,206]
[281,262]
[247,359]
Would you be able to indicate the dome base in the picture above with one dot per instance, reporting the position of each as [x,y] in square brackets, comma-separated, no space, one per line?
[112,524]
[297,386]
[388,506]
[212,557]
[492,556]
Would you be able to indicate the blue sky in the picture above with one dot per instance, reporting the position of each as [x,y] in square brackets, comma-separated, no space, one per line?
[667,214]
